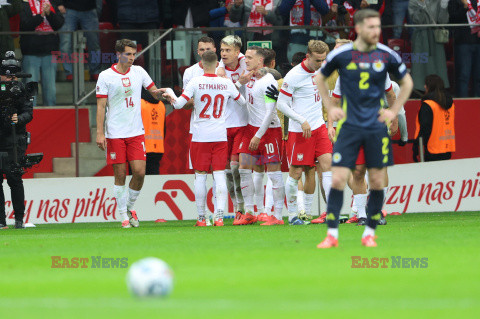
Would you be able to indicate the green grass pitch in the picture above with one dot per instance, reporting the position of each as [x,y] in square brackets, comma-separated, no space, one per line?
[247,271]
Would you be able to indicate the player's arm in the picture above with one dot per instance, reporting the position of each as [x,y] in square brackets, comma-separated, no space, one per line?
[284,105]
[101,105]
[391,97]
[334,113]
[406,86]
[269,114]
[177,102]
[402,125]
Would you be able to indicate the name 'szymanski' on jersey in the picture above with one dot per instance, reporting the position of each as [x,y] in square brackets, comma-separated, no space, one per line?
[300,91]
[211,94]
[123,92]
[255,96]
[363,76]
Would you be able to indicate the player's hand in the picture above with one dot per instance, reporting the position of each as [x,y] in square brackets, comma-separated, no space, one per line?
[272,92]
[15,118]
[307,130]
[221,73]
[387,116]
[254,144]
[331,134]
[245,78]
[335,114]
[394,127]
[101,141]
[158,93]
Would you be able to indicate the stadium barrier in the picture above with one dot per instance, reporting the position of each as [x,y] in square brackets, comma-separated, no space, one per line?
[445,186]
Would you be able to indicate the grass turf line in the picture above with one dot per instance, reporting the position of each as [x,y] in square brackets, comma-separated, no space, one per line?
[247,271]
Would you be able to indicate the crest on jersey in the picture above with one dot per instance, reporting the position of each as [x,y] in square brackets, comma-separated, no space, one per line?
[364,65]
[300,157]
[113,156]
[285,85]
[251,83]
[378,66]
[126,82]
[337,157]
[235,77]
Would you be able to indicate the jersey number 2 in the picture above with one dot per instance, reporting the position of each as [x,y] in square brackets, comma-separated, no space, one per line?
[217,106]
[363,84]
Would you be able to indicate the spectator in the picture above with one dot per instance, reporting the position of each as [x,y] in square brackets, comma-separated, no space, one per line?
[83,13]
[256,13]
[423,40]
[303,12]
[138,15]
[191,14]
[400,12]
[435,122]
[467,47]
[153,116]
[220,17]
[6,12]
[43,17]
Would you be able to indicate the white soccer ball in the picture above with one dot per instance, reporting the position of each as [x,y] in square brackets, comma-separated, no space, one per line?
[150,277]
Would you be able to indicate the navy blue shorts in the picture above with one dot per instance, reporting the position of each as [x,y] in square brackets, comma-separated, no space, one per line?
[376,144]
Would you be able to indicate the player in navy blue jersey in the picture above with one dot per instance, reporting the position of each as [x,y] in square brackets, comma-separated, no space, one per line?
[362,120]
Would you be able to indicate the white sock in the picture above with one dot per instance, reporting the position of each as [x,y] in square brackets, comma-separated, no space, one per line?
[291,190]
[278,192]
[231,187]
[214,192]
[132,198]
[361,201]
[238,187]
[247,188]
[120,193]
[354,210]
[333,232]
[308,203]
[368,232]
[269,196]
[327,183]
[200,186]
[259,191]
[300,200]
[221,191]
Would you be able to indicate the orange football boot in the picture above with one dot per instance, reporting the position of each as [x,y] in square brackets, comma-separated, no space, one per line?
[263,217]
[201,222]
[352,220]
[369,241]
[247,219]
[272,220]
[328,242]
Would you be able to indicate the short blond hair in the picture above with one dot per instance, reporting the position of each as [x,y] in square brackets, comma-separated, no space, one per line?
[317,46]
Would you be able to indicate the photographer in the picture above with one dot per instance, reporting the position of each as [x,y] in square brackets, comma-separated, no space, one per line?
[15,112]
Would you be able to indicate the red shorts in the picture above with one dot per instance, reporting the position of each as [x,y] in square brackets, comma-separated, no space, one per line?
[234,138]
[268,150]
[208,154]
[122,150]
[361,157]
[301,151]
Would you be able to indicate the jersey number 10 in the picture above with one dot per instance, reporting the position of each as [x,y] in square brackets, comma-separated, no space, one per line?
[217,106]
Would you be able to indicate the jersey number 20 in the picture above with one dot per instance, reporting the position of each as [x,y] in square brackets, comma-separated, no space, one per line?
[217,106]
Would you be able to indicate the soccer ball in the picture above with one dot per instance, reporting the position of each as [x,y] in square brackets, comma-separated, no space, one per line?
[150,277]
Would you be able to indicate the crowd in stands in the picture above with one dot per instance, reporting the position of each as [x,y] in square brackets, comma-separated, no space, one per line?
[425,50]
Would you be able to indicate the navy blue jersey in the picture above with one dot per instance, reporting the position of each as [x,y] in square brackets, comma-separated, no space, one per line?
[363,77]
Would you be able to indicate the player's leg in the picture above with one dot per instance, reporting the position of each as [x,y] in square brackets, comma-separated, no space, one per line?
[268,198]
[309,191]
[228,170]
[382,220]
[301,196]
[201,157]
[259,193]
[359,188]
[219,160]
[117,156]
[247,187]
[278,189]
[234,164]
[345,153]
[291,190]
[378,155]
[136,156]
[200,188]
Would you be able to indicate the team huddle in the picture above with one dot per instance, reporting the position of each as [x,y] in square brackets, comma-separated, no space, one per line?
[236,133]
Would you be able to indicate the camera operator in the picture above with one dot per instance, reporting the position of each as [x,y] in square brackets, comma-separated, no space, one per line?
[16,111]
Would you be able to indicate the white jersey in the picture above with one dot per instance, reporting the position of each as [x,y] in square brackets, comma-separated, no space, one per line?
[211,94]
[123,91]
[300,92]
[190,73]
[236,116]
[255,96]
[396,89]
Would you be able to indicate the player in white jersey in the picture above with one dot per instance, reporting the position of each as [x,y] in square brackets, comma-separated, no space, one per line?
[232,65]
[208,148]
[204,44]
[119,93]
[262,139]
[308,140]
[357,180]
